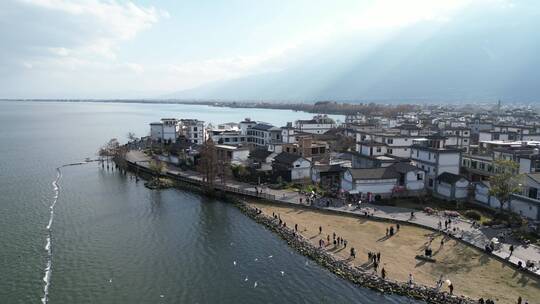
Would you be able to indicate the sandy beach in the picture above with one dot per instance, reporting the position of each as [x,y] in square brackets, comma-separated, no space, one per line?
[472,273]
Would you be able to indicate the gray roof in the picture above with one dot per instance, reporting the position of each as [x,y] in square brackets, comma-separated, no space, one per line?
[259,154]
[286,158]
[329,168]
[450,178]
[262,127]
[402,167]
[376,173]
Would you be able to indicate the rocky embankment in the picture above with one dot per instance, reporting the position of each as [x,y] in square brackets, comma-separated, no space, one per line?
[347,271]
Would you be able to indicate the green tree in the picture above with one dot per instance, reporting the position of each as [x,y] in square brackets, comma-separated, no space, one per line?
[505,182]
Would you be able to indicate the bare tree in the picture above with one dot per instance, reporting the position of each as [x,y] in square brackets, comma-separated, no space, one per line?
[156,167]
[131,136]
[208,163]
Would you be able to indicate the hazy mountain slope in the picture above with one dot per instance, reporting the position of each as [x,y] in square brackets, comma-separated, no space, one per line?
[478,55]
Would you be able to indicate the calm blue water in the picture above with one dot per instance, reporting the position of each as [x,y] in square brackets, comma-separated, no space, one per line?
[114,241]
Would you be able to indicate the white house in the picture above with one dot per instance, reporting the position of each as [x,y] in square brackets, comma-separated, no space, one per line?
[452,186]
[411,178]
[156,131]
[385,181]
[164,131]
[232,154]
[194,130]
[292,167]
[434,158]
[379,181]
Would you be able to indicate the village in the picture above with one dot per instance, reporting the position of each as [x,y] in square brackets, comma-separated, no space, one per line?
[477,172]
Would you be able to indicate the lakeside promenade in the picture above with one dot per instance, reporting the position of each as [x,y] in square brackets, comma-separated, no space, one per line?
[477,237]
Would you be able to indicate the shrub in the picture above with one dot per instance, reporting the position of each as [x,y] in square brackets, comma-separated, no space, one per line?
[451,213]
[474,215]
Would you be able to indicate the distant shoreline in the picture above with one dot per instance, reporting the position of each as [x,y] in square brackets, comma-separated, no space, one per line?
[320,107]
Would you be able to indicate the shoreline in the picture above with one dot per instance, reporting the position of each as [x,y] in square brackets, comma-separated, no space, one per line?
[343,269]
[311,107]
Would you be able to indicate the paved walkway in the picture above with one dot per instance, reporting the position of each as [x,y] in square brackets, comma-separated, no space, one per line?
[477,237]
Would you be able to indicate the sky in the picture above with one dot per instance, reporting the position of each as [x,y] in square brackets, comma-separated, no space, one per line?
[151,49]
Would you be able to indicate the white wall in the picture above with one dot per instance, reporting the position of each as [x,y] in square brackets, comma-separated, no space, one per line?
[384,186]
[301,169]
[156,132]
[524,208]
[411,181]
[449,162]
[462,189]
[444,189]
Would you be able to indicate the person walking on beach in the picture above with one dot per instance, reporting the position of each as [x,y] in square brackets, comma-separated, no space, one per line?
[334,236]
[511,250]
[328,238]
[320,229]
[397,226]
[451,288]
[378,257]
[519,300]
[296,227]
[353,253]
[439,282]
[410,279]
[383,273]
[345,244]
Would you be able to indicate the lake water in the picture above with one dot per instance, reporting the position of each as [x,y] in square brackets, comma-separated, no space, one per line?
[114,241]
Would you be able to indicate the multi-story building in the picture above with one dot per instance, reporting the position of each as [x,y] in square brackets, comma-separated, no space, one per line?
[458,137]
[193,130]
[227,137]
[391,142]
[263,135]
[432,156]
[165,131]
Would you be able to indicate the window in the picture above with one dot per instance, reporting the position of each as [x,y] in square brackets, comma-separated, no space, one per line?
[389,151]
[195,135]
[533,192]
[194,129]
[389,141]
[419,176]
[378,149]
